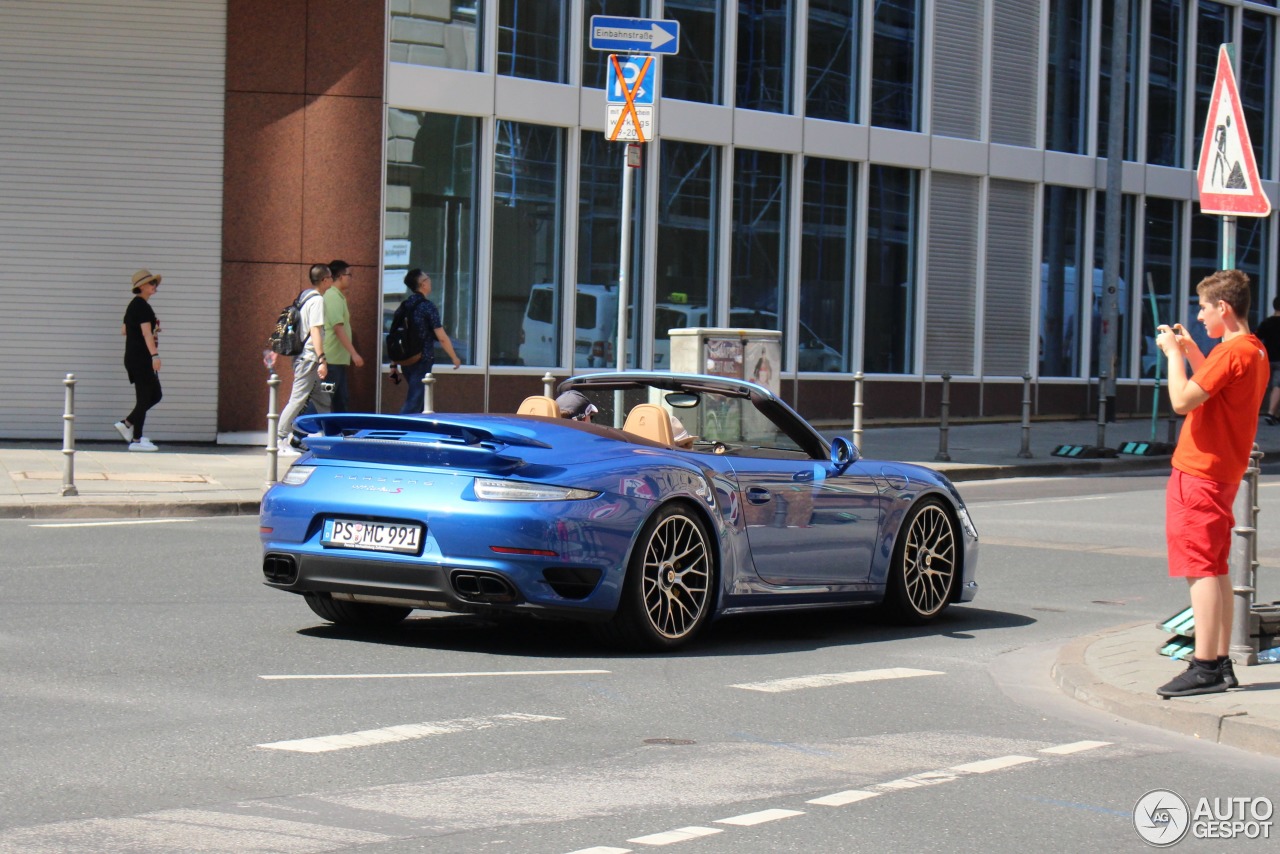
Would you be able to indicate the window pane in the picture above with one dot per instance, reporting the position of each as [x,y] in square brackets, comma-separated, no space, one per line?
[889,327]
[528,191]
[1161,256]
[1104,79]
[895,65]
[1066,100]
[1122,285]
[1257,79]
[599,245]
[430,216]
[1252,256]
[1213,22]
[444,35]
[595,73]
[826,263]
[832,82]
[757,297]
[1060,293]
[531,40]
[764,55]
[686,256]
[694,73]
[1165,83]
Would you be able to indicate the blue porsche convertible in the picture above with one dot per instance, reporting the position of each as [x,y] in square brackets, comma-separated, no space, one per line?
[614,523]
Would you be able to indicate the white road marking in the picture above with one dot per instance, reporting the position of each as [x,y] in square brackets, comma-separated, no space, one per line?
[753,818]
[435,675]
[839,799]
[602,849]
[670,837]
[1031,501]
[108,524]
[822,680]
[992,764]
[1073,747]
[403,732]
[915,781]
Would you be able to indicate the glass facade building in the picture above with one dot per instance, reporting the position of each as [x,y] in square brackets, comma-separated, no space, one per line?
[904,187]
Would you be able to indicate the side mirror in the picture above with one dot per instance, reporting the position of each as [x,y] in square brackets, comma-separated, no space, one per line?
[843,453]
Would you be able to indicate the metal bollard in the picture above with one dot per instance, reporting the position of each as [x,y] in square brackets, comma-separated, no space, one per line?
[548,384]
[1102,410]
[857,410]
[273,424]
[944,419]
[428,405]
[1244,563]
[1025,452]
[69,438]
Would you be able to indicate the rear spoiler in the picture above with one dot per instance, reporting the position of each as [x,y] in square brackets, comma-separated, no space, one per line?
[401,439]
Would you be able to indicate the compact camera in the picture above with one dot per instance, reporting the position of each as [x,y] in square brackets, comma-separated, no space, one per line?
[327,388]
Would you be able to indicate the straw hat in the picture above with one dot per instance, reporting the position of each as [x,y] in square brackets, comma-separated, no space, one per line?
[144,277]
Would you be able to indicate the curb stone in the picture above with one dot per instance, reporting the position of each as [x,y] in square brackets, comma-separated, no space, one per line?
[1233,728]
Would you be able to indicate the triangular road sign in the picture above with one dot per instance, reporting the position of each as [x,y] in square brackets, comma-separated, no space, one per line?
[1228,174]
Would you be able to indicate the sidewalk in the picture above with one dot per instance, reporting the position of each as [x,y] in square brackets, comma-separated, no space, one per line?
[1116,670]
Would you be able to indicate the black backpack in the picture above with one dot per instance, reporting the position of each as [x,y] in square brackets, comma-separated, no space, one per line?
[404,344]
[289,338]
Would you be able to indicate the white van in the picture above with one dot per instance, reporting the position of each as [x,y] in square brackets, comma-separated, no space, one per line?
[595,319]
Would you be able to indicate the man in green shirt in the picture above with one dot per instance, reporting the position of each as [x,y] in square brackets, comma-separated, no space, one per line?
[339,349]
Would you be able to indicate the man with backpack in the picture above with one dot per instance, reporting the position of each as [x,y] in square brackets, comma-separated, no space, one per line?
[415,330]
[309,366]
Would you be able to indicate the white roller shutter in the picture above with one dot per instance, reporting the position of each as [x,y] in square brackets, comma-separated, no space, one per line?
[957,68]
[111,136]
[953,273]
[1010,272]
[1015,60]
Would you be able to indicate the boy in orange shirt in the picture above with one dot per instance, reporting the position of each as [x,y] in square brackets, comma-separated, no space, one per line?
[1221,401]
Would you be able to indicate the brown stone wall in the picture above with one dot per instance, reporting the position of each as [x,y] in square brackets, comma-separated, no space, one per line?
[303,181]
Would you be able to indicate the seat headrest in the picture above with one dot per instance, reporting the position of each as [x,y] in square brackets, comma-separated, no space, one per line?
[649,421]
[539,405]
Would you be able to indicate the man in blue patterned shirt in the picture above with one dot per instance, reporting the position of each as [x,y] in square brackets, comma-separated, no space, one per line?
[426,322]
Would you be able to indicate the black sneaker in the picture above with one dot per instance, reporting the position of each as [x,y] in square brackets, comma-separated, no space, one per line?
[1270,419]
[1228,672]
[1200,677]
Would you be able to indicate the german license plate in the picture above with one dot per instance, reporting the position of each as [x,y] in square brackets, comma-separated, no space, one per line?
[372,536]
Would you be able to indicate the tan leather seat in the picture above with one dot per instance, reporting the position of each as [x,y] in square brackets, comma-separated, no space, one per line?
[649,421]
[539,405]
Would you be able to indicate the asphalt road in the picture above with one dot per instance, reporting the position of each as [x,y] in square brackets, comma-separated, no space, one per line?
[140,708]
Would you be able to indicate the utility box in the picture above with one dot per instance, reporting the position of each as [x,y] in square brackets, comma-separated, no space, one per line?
[741,354]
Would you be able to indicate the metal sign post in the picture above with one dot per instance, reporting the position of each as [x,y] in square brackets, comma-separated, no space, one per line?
[630,162]
[630,96]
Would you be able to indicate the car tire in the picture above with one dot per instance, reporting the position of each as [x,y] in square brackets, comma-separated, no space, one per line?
[926,564]
[669,591]
[359,614]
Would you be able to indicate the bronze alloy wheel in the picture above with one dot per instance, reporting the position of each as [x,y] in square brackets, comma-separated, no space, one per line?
[925,566]
[675,576]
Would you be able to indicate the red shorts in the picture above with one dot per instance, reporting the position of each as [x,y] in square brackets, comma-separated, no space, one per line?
[1197,525]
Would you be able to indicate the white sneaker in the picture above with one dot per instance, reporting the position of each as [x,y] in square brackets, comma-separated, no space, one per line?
[284,449]
[125,431]
[143,444]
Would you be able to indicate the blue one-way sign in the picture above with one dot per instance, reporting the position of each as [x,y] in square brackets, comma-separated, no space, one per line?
[634,35]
